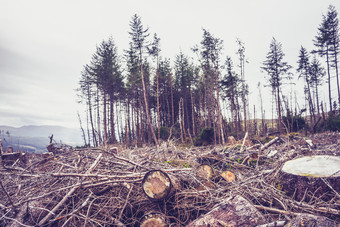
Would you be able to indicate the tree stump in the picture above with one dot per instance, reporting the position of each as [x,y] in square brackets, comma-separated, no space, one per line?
[314,175]
[157,185]
[235,211]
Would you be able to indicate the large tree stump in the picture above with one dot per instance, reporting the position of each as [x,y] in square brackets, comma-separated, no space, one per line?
[314,175]
[157,185]
[235,211]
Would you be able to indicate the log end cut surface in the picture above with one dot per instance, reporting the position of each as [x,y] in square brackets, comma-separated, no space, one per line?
[154,220]
[314,166]
[156,184]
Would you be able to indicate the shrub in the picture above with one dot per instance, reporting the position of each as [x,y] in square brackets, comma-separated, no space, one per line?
[298,122]
[207,136]
[333,123]
[164,132]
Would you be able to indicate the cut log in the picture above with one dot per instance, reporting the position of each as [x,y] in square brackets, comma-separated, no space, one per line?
[228,176]
[157,185]
[314,174]
[234,211]
[311,220]
[205,171]
[154,220]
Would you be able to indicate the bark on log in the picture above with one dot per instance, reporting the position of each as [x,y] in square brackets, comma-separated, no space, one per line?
[314,174]
[311,220]
[235,211]
[158,185]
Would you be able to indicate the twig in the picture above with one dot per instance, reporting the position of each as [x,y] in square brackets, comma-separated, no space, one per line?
[273,224]
[265,146]
[126,201]
[276,210]
[21,224]
[9,198]
[135,175]
[49,215]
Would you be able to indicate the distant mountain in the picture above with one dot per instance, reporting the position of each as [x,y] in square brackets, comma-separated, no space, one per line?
[34,138]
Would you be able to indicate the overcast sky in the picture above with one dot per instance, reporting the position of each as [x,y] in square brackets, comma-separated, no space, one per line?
[45,43]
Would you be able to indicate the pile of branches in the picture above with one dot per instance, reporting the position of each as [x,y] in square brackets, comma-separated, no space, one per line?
[101,187]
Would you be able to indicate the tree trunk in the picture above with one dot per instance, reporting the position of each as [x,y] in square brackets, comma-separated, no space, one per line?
[180,119]
[336,69]
[146,103]
[329,83]
[95,141]
[112,124]
[279,110]
[158,114]
[104,119]
[172,104]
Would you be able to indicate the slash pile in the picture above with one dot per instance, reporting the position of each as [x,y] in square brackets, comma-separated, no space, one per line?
[100,187]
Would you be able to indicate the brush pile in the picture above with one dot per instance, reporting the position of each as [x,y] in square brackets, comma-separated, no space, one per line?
[171,186]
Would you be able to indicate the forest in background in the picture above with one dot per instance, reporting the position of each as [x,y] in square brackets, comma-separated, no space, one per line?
[139,98]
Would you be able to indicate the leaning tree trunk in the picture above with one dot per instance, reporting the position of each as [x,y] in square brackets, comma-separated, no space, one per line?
[147,105]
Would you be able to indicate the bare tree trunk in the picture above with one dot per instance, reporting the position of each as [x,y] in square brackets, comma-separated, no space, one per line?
[82,129]
[104,119]
[172,104]
[279,110]
[98,119]
[192,115]
[158,114]
[146,104]
[329,83]
[317,99]
[180,118]
[220,122]
[95,141]
[336,69]
[112,124]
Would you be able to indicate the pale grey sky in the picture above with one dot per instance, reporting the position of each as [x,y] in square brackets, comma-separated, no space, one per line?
[45,43]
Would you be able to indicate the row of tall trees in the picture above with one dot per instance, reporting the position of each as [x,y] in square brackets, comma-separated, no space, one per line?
[140,98]
[326,44]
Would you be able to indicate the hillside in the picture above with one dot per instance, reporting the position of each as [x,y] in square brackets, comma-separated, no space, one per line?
[34,138]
